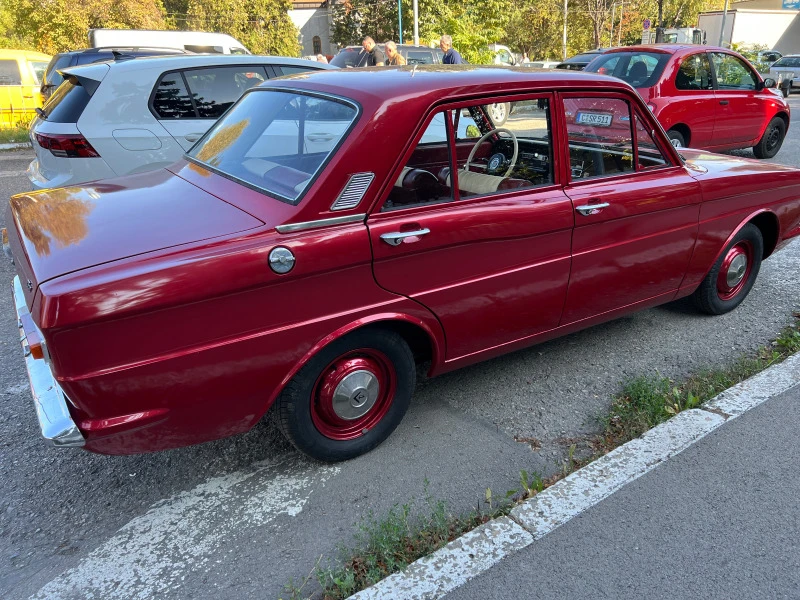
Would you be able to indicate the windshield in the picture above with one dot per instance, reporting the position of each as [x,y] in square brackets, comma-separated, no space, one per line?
[788,61]
[276,141]
[640,69]
[39,67]
[349,57]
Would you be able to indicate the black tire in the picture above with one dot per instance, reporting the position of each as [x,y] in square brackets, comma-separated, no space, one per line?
[719,294]
[772,140]
[676,138]
[313,426]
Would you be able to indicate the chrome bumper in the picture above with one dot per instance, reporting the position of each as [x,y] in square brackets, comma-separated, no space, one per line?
[56,423]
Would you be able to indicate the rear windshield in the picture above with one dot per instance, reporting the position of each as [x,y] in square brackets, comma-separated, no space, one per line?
[276,141]
[347,58]
[788,61]
[640,69]
[67,103]
[52,78]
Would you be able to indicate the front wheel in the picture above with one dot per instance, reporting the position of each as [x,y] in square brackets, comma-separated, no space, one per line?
[771,141]
[349,397]
[733,275]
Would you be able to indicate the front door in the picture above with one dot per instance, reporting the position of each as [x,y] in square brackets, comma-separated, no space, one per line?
[741,112]
[636,213]
[475,227]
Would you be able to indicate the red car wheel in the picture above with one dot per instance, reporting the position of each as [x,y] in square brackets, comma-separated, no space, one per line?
[734,273]
[349,397]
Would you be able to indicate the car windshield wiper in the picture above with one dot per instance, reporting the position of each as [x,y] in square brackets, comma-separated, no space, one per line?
[41,113]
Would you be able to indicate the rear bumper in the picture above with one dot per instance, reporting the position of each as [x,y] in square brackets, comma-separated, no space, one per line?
[68,171]
[55,421]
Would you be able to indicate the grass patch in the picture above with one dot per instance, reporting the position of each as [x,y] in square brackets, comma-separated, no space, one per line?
[388,545]
[13,135]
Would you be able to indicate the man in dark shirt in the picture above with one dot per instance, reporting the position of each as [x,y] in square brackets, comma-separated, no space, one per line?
[451,56]
[375,57]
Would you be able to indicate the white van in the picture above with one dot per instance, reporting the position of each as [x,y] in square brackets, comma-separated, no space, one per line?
[193,41]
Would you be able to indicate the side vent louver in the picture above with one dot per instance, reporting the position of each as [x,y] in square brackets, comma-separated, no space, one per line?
[354,191]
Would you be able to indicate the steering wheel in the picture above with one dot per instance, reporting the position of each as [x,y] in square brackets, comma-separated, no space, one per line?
[484,137]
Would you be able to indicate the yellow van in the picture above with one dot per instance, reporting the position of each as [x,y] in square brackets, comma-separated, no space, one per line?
[20,77]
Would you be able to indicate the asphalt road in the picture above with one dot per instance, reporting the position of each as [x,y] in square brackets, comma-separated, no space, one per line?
[238,518]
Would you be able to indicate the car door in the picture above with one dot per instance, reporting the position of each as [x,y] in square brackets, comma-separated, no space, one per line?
[188,102]
[487,253]
[636,212]
[741,111]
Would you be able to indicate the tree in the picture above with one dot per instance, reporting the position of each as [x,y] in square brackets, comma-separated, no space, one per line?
[263,26]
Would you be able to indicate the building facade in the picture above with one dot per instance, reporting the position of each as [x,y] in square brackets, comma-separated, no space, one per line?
[313,20]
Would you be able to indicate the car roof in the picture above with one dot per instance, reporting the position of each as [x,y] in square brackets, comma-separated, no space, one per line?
[26,54]
[388,84]
[187,61]
[669,48]
[123,49]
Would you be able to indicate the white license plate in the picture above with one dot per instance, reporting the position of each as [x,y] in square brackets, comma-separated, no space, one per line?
[597,119]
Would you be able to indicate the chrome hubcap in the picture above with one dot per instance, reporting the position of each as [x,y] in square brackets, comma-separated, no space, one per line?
[355,395]
[676,143]
[736,270]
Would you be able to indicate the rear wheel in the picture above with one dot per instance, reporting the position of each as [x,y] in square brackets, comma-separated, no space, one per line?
[676,138]
[349,397]
[733,275]
[771,141]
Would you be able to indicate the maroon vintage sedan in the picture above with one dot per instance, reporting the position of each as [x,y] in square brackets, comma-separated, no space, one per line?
[705,97]
[334,230]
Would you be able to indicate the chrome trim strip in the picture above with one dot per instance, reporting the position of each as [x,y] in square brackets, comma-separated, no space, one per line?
[321,223]
[55,422]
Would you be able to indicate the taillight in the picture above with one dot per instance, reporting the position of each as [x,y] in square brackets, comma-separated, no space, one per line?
[67,145]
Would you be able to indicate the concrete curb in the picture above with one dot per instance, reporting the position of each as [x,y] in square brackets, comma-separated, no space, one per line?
[16,146]
[452,566]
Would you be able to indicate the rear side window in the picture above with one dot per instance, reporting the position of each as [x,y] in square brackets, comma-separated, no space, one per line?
[292,70]
[694,73]
[215,90]
[52,77]
[171,99]
[419,57]
[9,73]
[67,103]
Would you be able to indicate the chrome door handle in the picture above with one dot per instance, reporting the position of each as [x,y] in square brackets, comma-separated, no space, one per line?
[319,137]
[193,137]
[592,209]
[396,237]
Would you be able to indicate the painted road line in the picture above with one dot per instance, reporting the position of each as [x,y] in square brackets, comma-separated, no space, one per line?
[443,571]
[12,173]
[153,553]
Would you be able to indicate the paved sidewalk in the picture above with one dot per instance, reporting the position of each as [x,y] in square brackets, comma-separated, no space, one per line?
[719,520]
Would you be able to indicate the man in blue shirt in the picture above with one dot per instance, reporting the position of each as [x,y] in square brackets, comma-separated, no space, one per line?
[451,56]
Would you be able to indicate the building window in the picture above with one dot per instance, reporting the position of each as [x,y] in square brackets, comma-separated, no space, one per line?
[317,45]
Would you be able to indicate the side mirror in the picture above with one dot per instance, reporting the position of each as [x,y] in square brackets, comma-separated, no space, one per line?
[769,82]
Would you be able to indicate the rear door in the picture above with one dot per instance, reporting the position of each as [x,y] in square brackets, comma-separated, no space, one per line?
[484,246]
[188,102]
[636,213]
[741,108]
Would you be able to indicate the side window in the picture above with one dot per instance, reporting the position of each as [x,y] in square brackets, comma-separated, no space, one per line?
[694,73]
[215,90]
[283,70]
[425,178]
[732,73]
[599,137]
[639,70]
[316,42]
[650,156]
[172,100]
[9,73]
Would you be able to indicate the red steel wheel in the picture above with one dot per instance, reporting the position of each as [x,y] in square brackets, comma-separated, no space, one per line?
[353,394]
[730,279]
[735,269]
[350,396]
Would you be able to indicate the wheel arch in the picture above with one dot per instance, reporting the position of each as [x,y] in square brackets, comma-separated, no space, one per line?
[425,340]
[767,223]
[684,130]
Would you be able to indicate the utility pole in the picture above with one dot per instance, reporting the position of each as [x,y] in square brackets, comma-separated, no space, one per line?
[722,29]
[613,16]
[564,40]
[416,24]
[619,29]
[400,18]
[660,26]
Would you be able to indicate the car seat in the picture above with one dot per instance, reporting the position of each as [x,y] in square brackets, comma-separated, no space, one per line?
[637,73]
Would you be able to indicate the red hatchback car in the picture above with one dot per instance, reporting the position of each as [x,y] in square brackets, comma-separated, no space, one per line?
[334,230]
[704,97]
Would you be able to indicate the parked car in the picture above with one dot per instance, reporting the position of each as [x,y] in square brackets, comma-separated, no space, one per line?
[20,75]
[502,55]
[356,56]
[134,115]
[579,61]
[280,265]
[542,64]
[52,78]
[784,71]
[705,97]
